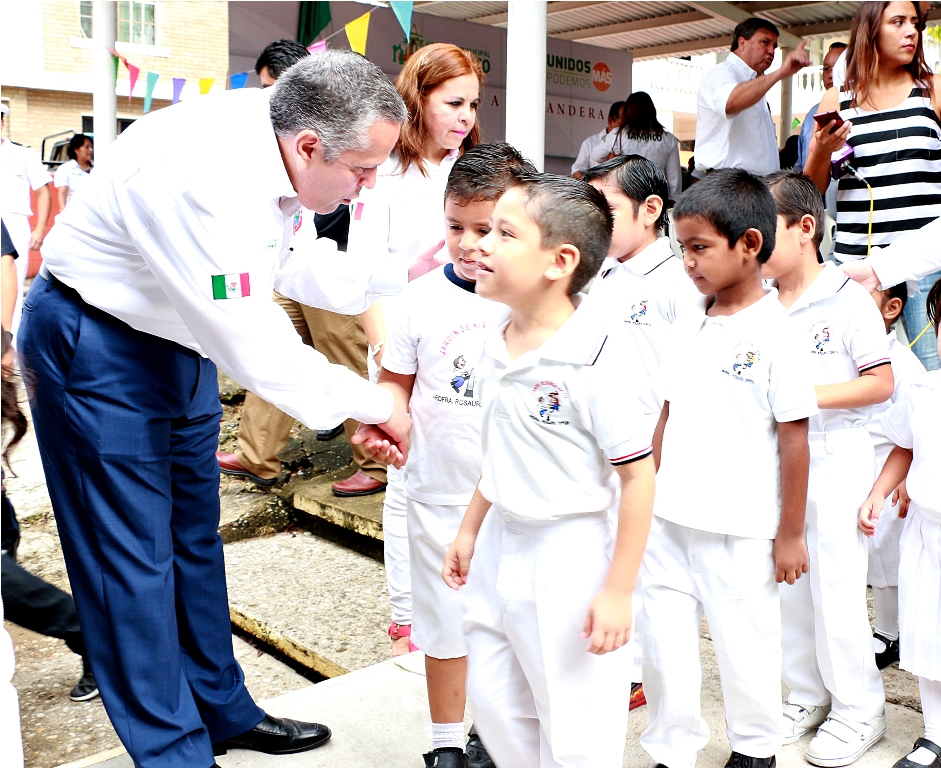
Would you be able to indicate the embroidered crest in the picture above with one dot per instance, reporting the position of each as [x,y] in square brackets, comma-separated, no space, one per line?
[551,402]
[298,220]
[745,356]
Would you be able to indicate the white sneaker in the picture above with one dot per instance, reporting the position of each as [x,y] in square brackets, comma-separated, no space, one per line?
[800,720]
[839,742]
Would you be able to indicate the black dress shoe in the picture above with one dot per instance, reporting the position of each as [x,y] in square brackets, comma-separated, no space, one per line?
[445,757]
[86,688]
[924,744]
[325,435]
[477,754]
[277,736]
[891,653]
[738,760]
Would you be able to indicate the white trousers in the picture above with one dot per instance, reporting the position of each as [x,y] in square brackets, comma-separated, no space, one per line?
[884,546]
[540,700]
[920,596]
[395,549]
[437,610]
[687,573]
[827,638]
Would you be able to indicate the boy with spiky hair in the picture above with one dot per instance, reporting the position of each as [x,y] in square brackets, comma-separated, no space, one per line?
[548,591]
[431,365]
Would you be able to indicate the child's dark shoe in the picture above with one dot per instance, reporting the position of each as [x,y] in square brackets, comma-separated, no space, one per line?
[445,757]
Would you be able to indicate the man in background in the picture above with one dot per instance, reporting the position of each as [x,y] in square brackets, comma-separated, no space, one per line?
[583,161]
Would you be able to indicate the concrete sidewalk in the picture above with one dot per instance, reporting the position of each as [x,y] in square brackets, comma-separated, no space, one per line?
[379,717]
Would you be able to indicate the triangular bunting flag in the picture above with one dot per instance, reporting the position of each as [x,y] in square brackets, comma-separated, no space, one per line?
[152,78]
[133,73]
[178,83]
[356,32]
[320,45]
[205,83]
[238,80]
[403,12]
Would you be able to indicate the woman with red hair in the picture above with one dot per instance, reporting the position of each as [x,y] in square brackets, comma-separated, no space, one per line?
[402,218]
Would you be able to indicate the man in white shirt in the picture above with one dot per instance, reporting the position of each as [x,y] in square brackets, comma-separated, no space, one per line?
[165,267]
[734,128]
[583,161]
[20,171]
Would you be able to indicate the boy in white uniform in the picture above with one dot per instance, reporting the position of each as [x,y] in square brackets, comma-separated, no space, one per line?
[828,660]
[731,486]
[914,425]
[431,364]
[548,593]
[883,574]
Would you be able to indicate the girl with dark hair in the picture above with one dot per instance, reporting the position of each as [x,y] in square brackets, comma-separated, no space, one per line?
[72,174]
[641,133]
[892,113]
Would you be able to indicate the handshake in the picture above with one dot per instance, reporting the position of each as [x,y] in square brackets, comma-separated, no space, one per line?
[387,443]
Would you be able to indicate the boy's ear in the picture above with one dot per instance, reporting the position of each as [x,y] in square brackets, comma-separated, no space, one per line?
[808,225]
[892,308]
[652,208]
[566,258]
[752,240]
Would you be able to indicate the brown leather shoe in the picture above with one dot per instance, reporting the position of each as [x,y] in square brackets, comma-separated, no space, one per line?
[229,465]
[359,484]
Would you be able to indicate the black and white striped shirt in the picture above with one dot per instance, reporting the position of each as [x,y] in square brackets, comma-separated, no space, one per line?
[898,151]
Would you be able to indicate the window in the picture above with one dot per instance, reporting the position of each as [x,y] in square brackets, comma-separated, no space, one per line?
[136,23]
[85,17]
[88,124]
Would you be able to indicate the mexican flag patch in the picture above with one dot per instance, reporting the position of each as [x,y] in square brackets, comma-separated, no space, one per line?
[230,286]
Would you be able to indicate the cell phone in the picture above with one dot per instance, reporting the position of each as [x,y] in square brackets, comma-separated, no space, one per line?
[822,118]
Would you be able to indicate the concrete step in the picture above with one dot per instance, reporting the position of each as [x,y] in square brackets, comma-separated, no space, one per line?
[379,717]
[360,514]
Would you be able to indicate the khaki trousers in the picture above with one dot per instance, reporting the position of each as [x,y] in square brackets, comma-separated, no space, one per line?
[264,429]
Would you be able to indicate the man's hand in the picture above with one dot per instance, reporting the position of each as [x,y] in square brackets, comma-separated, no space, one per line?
[862,273]
[458,559]
[608,623]
[900,496]
[35,239]
[796,60]
[424,262]
[869,514]
[790,558]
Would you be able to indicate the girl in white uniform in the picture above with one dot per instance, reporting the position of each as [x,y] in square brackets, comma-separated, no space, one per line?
[884,547]
[403,216]
[914,425]
[71,175]
[827,646]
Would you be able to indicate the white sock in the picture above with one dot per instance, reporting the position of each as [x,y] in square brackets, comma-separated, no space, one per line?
[447,735]
[931,708]
[886,602]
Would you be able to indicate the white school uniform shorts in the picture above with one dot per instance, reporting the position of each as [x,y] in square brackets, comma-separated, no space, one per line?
[825,620]
[540,700]
[395,548]
[437,610]
[920,596]
[687,573]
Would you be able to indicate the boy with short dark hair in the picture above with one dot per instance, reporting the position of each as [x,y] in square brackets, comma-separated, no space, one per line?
[829,668]
[431,364]
[731,486]
[548,593]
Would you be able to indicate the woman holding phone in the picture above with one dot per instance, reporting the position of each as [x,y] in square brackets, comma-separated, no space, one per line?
[891,117]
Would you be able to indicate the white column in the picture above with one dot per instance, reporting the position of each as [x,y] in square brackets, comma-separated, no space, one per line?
[787,111]
[526,78]
[104,32]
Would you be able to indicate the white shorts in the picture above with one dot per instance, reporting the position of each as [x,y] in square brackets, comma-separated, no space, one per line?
[437,610]
[920,596]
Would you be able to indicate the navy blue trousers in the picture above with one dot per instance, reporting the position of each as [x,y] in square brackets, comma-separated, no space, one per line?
[127,426]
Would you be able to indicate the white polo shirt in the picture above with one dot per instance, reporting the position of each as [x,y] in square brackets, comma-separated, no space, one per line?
[437,334]
[645,295]
[914,422]
[584,161]
[179,245]
[72,176]
[729,380]
[747,140]
[20,171]
[557,419]
[842,334]
[906,367]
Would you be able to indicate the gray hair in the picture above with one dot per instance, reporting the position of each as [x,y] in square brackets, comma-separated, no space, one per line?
[337,94]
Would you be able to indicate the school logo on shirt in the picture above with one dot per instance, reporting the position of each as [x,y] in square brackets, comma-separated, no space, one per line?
[462,383]
[551,403]
[298,220]
[745,356]
[639,313]
[231,286]
[820,335]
